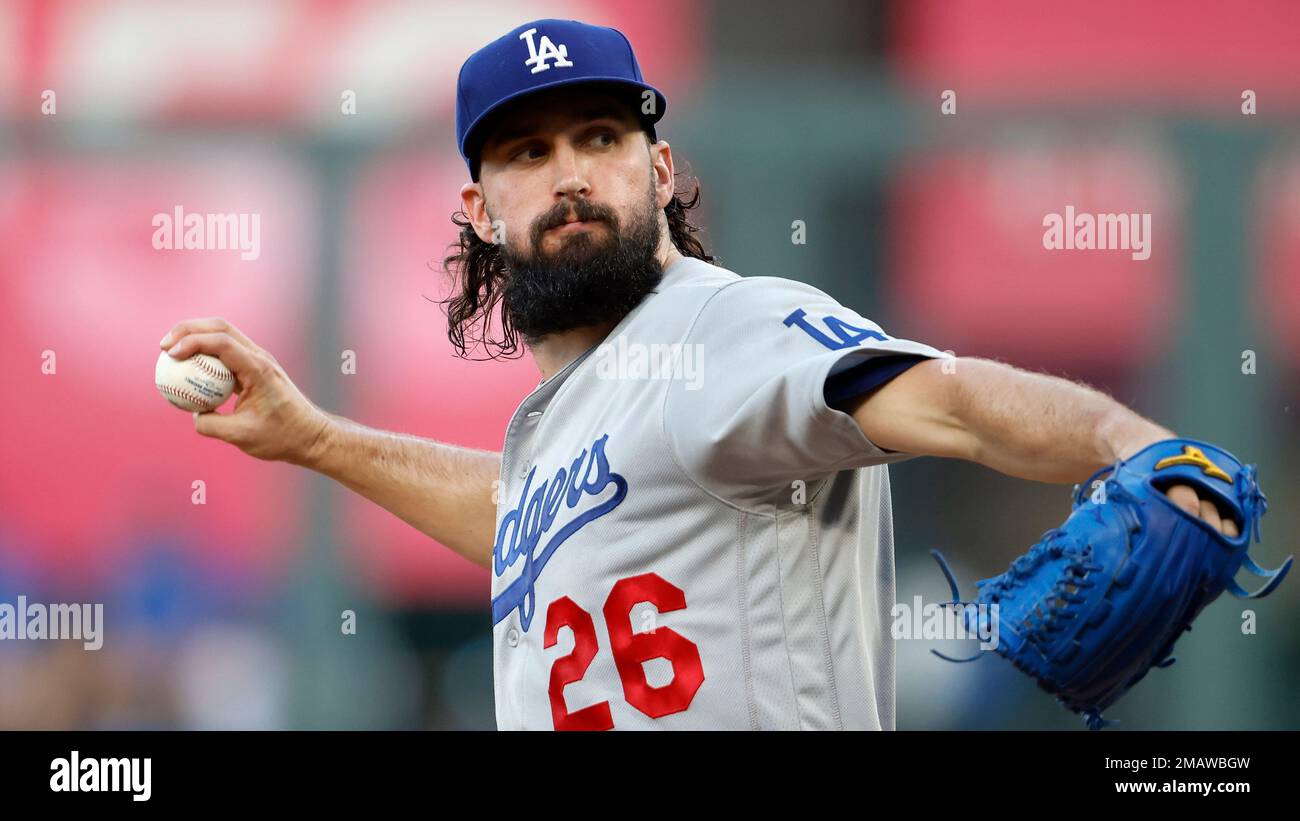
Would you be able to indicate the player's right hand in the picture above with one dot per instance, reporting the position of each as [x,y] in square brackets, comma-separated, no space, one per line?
[272,419]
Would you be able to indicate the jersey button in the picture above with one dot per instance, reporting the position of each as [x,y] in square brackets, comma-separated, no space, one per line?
[512,637]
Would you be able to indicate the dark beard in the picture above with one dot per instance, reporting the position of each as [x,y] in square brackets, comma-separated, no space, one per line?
[591,280]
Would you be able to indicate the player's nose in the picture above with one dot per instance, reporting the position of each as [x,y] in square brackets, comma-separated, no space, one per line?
[570,172]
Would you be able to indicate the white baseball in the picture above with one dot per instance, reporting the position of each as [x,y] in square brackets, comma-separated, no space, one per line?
[200,383]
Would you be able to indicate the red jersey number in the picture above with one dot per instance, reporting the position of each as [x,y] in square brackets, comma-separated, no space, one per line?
[630,650]
[564,612]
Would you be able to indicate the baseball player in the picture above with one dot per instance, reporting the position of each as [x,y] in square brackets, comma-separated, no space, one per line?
[691,526]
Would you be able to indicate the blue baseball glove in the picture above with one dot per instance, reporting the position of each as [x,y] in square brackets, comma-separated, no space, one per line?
[1101,599]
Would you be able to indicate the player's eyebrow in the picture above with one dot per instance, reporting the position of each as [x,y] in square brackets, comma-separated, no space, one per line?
[527,128]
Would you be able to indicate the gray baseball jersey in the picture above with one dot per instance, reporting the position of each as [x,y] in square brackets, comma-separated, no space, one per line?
[688,535]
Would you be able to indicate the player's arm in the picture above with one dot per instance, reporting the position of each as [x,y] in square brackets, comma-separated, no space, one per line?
[443,491]
[1028,425]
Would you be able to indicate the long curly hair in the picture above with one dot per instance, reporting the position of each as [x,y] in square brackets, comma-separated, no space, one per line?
[479,274]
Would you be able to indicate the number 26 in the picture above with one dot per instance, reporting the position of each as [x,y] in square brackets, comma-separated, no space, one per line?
[630,650]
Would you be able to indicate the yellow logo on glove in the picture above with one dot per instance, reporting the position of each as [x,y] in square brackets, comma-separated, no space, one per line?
[1193,456]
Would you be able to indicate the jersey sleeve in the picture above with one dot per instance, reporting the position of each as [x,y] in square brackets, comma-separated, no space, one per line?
[775,359]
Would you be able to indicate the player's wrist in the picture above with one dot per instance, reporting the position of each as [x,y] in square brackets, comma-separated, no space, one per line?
[1123,437]
[321,441]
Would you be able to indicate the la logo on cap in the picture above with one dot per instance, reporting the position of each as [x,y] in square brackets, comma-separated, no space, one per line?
[547,51]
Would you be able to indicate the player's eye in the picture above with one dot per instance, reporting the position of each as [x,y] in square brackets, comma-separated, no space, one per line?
[528,152]
[603,139]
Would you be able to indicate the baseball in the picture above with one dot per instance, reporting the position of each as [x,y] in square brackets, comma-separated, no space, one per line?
[200,383]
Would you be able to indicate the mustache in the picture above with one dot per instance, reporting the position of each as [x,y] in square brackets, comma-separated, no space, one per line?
[582,209]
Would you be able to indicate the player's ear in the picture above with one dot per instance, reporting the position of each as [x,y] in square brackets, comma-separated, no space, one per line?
[474,204]
[661,166]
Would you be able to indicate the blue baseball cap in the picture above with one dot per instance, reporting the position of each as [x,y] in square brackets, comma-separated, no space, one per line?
[540,55]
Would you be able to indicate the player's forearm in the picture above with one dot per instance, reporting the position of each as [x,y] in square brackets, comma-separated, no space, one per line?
[444,491]
[1042,427]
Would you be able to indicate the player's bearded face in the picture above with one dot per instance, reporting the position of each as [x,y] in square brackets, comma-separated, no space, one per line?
[575,278]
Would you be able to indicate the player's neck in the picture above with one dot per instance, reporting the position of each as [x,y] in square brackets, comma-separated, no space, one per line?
[552,353]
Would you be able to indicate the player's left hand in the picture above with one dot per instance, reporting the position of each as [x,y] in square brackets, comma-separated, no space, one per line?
[1185,497]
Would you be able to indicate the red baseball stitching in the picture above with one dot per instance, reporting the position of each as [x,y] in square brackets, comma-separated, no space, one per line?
[184,394]
[208,368]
